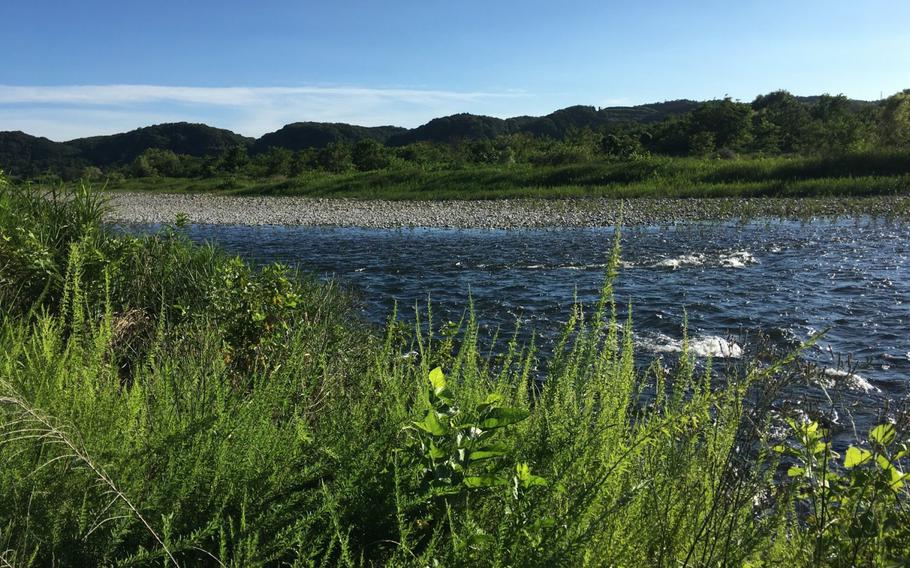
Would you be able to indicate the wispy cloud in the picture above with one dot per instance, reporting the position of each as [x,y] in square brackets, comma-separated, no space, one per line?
[61,112]
[223,96]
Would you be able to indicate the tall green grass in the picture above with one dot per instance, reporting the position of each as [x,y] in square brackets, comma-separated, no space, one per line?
[166,405]
[859,174]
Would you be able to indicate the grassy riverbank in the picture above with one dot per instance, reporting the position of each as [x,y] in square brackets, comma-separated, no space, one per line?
[855,175]
[163,404]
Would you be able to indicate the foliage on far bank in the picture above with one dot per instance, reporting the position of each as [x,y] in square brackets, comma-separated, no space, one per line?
[858,175]
[164,404]
[775,124]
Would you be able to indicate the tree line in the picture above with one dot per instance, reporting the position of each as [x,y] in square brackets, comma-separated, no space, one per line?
[774,124]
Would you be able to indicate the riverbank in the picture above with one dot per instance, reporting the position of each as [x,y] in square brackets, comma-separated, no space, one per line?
[861,174]
[164,403]
[133,207]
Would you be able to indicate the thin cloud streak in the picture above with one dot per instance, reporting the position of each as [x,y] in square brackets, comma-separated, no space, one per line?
[223,96]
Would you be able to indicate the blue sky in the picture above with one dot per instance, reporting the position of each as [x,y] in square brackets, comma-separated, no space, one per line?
[73,68]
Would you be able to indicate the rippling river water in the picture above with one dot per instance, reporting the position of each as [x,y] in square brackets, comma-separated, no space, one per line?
[739,283]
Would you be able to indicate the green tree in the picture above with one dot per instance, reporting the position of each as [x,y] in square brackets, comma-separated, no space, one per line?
[670,136]
[834,128]
[142,167]
[369,154]
[298,163]
[784,119]
[622,146]
[335,158]
[235,160]
[92,173]
[895,120]
[277,161]
[702,143]
[483,152]
[729,122]
[767,137]
[506,155]
[164,162]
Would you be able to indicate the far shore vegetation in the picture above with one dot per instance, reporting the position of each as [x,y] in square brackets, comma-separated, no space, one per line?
[851,175]
[777,145]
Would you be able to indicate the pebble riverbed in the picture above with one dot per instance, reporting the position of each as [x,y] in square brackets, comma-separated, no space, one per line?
[498,214]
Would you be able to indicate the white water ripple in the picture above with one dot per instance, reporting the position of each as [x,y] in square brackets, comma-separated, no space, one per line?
[734,259]
[703,346]
[852,380]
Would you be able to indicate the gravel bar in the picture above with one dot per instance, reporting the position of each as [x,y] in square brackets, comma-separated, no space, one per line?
[498,214]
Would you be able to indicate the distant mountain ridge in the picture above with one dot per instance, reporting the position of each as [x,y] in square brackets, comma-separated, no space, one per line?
[26,155]
[302,135]
[179,137]
[557,124]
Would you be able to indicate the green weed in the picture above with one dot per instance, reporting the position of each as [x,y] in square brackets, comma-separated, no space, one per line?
[163,404]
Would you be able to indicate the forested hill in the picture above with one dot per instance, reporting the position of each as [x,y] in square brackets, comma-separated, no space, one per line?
[180,138]
[774,123]
[303,135]
[23,155]
[555,125]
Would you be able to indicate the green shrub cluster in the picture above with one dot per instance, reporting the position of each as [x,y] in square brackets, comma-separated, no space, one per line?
[163,404]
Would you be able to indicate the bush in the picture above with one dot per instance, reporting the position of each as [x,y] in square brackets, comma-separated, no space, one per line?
[37,229]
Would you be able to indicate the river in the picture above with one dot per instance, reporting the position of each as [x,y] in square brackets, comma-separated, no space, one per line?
[742,286]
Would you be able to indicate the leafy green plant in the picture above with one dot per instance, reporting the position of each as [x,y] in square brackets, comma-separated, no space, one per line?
[461,448]
[256,311]
[854,508]
[460,451]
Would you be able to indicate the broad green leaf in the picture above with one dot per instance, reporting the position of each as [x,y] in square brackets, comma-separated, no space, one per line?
[883,434]
[437,379]
[487,452]
[527,478]
[484,481]
[493,398]
[897,479]
[785,450]
[534,480]
[856,456]
[523,470]
[499,417]
[883,462]
[431,424]
[795,471]
[440,388]
[435,453]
